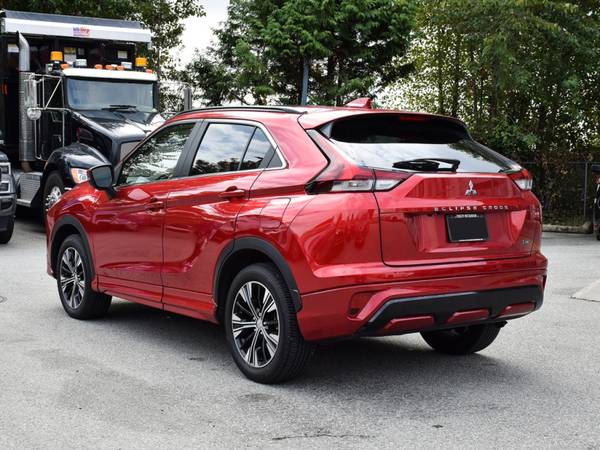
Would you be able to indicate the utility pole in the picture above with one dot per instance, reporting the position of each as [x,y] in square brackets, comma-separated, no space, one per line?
[304,96]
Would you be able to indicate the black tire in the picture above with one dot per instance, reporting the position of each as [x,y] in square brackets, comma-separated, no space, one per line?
[462,341]
[291,353]
[7,234]
[91,304]
[53,181]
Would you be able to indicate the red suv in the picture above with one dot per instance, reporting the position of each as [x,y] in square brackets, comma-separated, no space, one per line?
[293,225]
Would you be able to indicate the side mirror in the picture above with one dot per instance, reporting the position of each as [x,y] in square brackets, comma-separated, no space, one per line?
[101,177]
[596,169]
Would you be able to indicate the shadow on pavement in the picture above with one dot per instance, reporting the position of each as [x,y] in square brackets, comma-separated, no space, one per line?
[30,220]
[359,367]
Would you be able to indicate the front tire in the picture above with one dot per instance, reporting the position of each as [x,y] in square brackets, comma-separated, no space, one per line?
[463,340]
[73,277]
[54,188]
[6,235]
[261,326]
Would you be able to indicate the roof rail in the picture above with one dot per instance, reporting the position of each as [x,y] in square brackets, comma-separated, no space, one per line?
[280,109]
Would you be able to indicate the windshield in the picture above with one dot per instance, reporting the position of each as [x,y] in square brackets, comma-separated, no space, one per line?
[401,141]
[94,94]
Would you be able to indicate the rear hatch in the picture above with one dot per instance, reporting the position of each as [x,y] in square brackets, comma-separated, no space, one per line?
[458,201]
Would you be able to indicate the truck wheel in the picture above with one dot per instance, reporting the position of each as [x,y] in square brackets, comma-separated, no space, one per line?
[462,341]
[73,277]
[54,188]
[7,234]
[261,326]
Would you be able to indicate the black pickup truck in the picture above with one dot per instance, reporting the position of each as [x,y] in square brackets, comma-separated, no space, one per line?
[8,200]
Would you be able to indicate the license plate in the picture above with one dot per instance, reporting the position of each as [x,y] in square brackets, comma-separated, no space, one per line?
[467,228]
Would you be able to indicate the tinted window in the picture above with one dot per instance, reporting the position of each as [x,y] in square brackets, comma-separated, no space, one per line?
[222,148]
[260,152]
[381,141]
[98,94]
[157,158]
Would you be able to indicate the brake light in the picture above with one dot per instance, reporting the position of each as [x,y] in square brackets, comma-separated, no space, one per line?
[523,179]
[341,175]
[535,212]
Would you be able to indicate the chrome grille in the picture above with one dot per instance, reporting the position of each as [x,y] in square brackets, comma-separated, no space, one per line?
[29,184]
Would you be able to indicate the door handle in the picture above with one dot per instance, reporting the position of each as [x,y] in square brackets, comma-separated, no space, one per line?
[232,192]
[154,204]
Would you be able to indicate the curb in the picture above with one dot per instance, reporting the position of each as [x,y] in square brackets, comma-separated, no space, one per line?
[586,228]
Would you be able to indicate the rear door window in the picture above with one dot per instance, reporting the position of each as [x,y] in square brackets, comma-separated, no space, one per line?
[260,153]
[222,148]
[229,147]
[388,141]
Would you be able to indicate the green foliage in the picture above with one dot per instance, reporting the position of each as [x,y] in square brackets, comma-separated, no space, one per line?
[353,48]
[523,74]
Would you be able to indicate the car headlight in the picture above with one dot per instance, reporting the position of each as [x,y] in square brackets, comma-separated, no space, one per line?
[4,168]
[6,184]
[79,175]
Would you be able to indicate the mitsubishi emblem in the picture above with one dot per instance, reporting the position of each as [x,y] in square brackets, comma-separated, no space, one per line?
[471,189]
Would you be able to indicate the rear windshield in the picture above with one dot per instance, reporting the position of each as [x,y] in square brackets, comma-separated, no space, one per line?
[382,141]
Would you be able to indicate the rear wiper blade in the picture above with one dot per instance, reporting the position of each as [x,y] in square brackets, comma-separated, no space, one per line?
[428,165]
[115,107]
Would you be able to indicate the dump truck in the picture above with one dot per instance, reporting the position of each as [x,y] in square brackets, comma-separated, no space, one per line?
[75,94]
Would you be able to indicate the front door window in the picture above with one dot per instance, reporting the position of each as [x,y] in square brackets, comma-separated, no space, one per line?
[156,159]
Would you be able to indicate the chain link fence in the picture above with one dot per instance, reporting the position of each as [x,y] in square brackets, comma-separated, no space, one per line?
[566,190]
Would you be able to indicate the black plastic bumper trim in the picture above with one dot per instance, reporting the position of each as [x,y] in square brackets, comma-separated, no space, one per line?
[442,306]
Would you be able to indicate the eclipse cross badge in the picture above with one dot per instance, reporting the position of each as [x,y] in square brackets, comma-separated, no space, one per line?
[470,192]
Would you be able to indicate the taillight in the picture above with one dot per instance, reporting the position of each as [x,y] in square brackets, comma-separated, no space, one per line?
[386,180]
[341,175]
[535,212]
[523,179]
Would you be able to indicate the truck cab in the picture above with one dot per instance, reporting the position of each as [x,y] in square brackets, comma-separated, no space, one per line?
[74,95]
[99,117]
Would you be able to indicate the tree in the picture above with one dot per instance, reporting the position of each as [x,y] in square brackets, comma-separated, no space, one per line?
[353,47]
[524,75]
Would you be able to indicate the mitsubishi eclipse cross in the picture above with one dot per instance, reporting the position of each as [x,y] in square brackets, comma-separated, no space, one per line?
[295,225]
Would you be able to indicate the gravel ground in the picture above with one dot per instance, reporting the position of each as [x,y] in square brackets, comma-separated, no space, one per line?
[141,378]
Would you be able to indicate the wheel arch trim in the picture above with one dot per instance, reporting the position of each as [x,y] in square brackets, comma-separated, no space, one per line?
[268,250]
[69,221]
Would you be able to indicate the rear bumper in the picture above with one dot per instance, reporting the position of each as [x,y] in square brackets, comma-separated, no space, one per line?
[424,305]
[449,310]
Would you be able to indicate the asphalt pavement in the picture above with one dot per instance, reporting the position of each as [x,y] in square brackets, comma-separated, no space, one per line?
[142,378]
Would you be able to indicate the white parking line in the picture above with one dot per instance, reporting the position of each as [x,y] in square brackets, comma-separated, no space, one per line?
[590,293]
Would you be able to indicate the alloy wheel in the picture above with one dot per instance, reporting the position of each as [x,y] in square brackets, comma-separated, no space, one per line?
[53,196]
[255,324]
[72,277]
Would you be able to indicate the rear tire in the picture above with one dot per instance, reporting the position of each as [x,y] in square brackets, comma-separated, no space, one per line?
[73,278]
[263,335]
[462,341]
[7,234]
